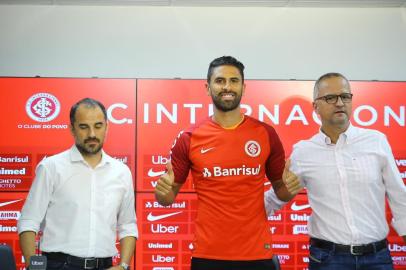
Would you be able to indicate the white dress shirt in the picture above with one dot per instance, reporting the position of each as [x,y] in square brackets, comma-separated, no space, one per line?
[346,184]
[272,202]
[80,210]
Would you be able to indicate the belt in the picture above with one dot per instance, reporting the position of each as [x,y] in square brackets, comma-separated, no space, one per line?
[84,263]
[357,250]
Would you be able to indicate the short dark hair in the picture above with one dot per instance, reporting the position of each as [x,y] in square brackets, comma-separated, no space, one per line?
[89,102]
[225,61]
[326,76]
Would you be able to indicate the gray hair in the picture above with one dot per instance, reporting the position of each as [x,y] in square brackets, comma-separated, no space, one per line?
[327,76]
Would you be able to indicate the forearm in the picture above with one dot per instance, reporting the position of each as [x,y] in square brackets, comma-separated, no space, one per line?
[404,238]
[284,195]
[27,245]
[127,247]
[281,191]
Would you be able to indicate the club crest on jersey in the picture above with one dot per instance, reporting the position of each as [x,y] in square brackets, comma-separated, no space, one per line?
[252,148]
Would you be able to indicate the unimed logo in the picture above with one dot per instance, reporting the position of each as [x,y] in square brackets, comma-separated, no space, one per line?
[160,245]
[298,217]
[4,171]
[8,228]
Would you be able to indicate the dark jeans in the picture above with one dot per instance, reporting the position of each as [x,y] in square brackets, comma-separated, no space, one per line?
[207,264]
[58,265]
[322,259]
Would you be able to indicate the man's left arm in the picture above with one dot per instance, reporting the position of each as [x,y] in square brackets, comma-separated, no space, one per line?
[127,249]
[127,225]
[395,189]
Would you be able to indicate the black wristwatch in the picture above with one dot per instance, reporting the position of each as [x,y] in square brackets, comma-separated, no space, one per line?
[124,266]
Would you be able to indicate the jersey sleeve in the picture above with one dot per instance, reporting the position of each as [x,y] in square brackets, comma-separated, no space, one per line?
[276,160]
[180,157]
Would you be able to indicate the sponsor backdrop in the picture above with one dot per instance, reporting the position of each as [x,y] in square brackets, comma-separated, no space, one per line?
[145,117]
[36,125]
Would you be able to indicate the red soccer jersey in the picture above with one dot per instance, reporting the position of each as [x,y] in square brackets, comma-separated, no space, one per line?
[228,168]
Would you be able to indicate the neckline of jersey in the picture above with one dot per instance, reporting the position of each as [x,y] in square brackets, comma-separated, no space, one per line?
[232,127]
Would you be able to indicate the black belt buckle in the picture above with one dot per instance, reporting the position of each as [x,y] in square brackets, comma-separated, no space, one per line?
[92,265]
[356,250]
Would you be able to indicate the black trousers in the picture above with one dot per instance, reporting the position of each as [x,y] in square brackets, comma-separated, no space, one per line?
[208,264]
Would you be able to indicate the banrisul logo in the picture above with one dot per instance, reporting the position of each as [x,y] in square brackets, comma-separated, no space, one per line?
[218,171]
[42,107]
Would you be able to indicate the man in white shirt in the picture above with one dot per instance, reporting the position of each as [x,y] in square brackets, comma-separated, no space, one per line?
[81,200]
[348,172]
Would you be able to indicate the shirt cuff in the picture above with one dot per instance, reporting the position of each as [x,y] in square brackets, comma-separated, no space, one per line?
[272,202]
[27,225]
[125,230]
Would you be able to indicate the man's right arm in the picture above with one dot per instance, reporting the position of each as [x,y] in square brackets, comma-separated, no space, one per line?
[27,245]
[166,188]
[33,212]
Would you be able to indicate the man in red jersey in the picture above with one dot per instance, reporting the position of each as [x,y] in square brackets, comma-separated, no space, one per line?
[229,155]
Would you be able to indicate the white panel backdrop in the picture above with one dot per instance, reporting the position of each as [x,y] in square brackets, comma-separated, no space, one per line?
[168,42]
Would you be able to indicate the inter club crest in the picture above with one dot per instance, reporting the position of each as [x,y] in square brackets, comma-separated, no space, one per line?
[252,148]
[42,107]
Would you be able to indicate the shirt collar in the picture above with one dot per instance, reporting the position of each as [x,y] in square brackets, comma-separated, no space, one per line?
[347,135]
[76,156]
[350,133]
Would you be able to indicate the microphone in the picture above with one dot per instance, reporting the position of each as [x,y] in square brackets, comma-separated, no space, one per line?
[38,262]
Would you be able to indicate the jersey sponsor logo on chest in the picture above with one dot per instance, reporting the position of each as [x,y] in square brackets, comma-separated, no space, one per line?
[218,171]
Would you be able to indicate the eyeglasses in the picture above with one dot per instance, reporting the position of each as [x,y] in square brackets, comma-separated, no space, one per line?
[332,99]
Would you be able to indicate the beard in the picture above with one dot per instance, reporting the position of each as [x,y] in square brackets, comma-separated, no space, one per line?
[87,150]
[226,105]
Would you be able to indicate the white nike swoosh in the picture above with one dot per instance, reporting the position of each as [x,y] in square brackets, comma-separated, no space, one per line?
[151,173]
[206,150]
[151,217]
[10,202]
[296,207]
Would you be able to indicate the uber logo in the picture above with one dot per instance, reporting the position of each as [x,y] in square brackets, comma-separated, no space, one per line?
[159,228]
[395,247]
[161,259]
